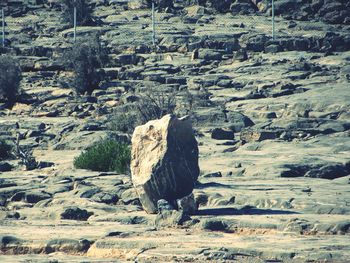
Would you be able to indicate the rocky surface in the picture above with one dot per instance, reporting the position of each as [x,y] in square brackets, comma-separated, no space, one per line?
[271,118]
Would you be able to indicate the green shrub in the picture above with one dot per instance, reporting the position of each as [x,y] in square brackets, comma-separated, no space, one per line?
[83,12]
[85,58]
[105,156]
[5,150]
[10,77]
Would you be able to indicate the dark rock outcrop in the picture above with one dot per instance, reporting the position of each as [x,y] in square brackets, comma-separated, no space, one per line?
[222,134]
[328,171]
[75,213]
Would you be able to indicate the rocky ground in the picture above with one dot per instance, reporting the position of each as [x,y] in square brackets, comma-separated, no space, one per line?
[271,117]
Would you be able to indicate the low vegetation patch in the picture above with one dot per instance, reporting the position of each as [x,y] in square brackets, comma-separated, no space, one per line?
[106,156]
[124,119]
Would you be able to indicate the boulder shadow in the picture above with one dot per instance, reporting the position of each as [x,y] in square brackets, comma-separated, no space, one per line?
[242,211]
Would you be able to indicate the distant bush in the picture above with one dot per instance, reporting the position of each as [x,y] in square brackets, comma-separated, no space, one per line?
[155,104]
[5,150]
[151,105]
[83,12]
[105,156]
[124,119]
[10,78]
[86,58]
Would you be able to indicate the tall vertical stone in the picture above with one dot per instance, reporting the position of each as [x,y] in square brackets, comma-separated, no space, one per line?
[164,161]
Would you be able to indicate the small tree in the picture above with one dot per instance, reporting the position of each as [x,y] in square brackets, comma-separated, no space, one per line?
[10,77]
[85,59]
[155,104]
[83,12]
[151,105]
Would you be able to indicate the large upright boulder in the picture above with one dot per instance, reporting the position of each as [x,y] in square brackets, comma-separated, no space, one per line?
[164,161]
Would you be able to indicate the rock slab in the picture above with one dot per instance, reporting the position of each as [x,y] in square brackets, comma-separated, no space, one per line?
[164,161]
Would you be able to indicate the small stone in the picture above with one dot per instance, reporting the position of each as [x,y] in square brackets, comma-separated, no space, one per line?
[273,48]
[43,164]
[306,190]
[171,218]
[187,204]
[257,135]
[238,165]
[209,54]
[164,205]
[5,167]
[210,175]
[214,225]
[75,213]
[129,196]
[240,55]
[35,196]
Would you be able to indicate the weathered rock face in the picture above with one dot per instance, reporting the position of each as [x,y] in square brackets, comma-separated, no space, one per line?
[143,4]
[164,161]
